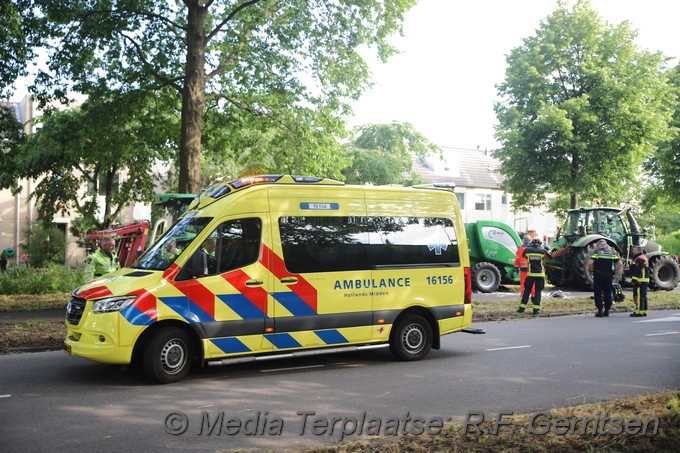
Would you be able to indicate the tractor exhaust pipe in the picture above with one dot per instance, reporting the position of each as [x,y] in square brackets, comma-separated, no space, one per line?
[634,228]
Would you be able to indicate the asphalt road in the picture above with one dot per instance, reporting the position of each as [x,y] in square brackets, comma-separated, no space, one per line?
[52,402]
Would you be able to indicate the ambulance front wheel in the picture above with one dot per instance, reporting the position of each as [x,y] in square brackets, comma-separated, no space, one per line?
[411,338]
[167,355]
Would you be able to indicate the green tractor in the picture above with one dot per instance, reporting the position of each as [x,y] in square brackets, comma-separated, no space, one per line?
[168,207]
[493,246]
[575,245]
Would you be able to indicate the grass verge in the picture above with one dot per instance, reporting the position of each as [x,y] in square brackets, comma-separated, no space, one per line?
[608,426]
[33,302]
[31,336]
[504,309]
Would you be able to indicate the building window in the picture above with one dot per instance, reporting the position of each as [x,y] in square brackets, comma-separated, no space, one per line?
[461,200]
[100,186]
[483,202]
[504,199]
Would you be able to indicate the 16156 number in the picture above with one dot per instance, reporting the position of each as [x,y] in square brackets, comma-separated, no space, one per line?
[440,280]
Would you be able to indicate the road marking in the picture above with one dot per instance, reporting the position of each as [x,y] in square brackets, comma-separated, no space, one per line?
[384,394]
[662,333]
[667,319]
[509,347]
[273,370]
[5,396]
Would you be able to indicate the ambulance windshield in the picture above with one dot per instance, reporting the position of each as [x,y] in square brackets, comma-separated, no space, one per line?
[166,250]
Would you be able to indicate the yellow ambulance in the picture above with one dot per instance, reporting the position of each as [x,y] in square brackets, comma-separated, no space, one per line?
[277,266]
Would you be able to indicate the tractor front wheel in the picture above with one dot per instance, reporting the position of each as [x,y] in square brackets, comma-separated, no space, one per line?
[664,273]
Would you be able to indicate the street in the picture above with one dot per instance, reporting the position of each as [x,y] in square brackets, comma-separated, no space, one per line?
[50,401]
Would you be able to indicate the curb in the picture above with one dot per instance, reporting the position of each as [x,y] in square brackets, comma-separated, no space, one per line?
[29,349]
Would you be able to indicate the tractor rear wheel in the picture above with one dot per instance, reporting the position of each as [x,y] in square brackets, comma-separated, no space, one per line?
[579,266]
[664,273]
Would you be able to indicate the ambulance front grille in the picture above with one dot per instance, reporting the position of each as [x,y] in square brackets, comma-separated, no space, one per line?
[74,310]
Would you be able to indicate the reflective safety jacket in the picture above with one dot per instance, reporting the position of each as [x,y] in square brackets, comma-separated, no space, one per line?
[640,269]
[535,255]
[604,263]
[520,260]
[99,263]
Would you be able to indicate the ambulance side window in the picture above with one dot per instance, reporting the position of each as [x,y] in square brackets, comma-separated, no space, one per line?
[413,241]
[233,244]
[324,244]
[238,243]
[330,244]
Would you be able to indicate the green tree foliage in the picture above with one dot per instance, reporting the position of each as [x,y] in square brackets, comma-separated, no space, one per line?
[107,145]
[274,73]
[11,138]
[16,42]
[580,109]
[382,153]
[47,244]
[665,164]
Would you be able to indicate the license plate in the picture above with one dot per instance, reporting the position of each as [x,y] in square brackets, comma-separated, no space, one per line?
[67,348]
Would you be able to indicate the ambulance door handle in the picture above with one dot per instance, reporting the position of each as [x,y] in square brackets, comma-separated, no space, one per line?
[289,280]
[254,283]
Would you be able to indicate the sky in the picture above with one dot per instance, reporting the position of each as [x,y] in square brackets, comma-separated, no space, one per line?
[453,55]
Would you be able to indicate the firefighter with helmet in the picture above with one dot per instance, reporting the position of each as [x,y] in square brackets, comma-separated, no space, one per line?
[604,264]
[535,255]
[640,281]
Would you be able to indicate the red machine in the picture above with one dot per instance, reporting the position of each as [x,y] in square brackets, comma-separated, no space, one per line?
[130,239]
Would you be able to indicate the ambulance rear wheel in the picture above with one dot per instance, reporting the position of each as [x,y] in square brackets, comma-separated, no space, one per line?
[167,356]
[411,338]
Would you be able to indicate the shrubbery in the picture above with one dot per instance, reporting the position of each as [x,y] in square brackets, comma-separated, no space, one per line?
[670,242]
[46,245]
[46,280]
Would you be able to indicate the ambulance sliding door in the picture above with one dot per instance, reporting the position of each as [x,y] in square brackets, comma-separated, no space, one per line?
[322,281]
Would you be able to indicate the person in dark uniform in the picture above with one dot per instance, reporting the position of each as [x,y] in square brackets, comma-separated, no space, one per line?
[604,263]
[640,281]
[535,254]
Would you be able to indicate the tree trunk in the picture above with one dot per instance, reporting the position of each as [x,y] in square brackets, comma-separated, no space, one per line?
[575,176]
[573,204]
[193,101]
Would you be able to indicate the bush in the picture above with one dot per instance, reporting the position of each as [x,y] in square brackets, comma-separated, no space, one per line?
[47,245]
[47,280]
[670,242]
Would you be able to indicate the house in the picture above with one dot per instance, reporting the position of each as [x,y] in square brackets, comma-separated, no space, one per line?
[477,177]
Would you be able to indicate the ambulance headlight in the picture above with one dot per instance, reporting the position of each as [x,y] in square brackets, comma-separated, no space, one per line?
[112,304]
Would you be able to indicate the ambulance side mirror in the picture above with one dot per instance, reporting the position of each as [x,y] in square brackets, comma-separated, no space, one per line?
[196,266]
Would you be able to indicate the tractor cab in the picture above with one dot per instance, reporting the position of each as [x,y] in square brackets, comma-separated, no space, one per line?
[601,221]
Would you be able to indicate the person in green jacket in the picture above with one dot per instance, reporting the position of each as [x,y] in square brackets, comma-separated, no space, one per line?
[103,261]
[5,255]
